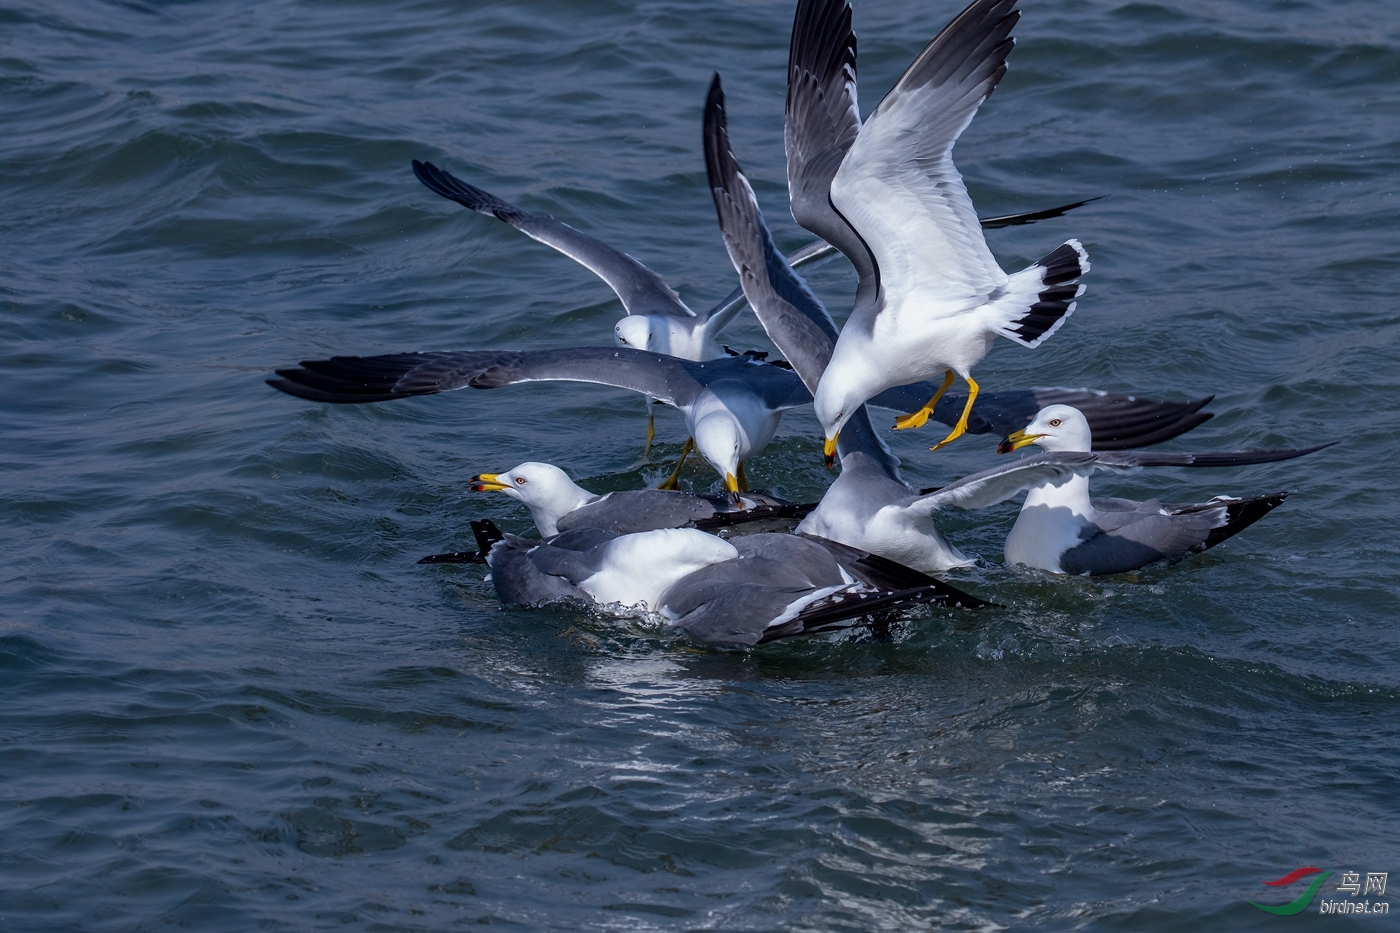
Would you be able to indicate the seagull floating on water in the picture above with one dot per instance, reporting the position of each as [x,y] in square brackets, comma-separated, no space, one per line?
[1062,530]
[751,590]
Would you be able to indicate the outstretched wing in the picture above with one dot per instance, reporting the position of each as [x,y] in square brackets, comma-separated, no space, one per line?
[642,291]
[898,186]
[823,122]
[401,375]
[1234,458]
[793,318]
[1000,483]
[987,488]
[1029,217]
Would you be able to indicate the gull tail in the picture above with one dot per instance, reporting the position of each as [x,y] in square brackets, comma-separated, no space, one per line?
[1239,515]
[1041,297]
[487,535]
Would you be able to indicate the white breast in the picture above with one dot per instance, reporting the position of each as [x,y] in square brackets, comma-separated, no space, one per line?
[1052,521]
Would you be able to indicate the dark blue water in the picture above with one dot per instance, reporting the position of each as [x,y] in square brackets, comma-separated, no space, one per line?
[230,700]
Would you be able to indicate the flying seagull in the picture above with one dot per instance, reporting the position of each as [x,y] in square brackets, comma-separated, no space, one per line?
[931,298]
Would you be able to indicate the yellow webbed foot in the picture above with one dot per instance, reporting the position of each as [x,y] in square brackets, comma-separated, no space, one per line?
[920,418]
[916,420]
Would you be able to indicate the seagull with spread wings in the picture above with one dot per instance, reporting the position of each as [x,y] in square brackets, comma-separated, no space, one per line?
[731,405]
[931,298]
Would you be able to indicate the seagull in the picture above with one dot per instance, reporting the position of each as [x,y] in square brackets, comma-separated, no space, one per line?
[1062,530]
[870,506]
[754,589]
[731,405]
[931,297]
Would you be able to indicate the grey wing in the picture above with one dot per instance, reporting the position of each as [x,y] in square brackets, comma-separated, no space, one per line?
[823,122]
[1116,421]
[1160,458]
[635,510]
[778,386]
[737,601]
[987,488]
[533,573]
[734,602]
[898,185]
[1131,538]
[642,291]
[793,318]
[785,585]
[401,375]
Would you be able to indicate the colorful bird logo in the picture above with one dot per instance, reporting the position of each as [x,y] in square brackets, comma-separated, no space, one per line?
[1303,900]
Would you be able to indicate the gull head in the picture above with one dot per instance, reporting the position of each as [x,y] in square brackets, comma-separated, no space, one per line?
[637,331]
[1055,427]
[833,412]
[545,488]
[720,440]
[832,425]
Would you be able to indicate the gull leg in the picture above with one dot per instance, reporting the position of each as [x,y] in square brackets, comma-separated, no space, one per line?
[919,418]
[644,459]
[673,481]
[961,426]
[743,480]
[651,429]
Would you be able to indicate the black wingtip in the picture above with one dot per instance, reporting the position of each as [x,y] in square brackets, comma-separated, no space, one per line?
[486,534]
[1242,513]
[1030,217]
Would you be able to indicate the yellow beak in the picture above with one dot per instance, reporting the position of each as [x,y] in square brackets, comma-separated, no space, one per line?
[1016,440]
[486,482]
[829,450]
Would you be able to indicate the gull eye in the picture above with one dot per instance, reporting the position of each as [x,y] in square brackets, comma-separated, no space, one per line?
[520,481]
[1055,422]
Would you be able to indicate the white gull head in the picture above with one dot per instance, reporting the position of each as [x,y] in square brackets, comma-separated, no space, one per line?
[545,488]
